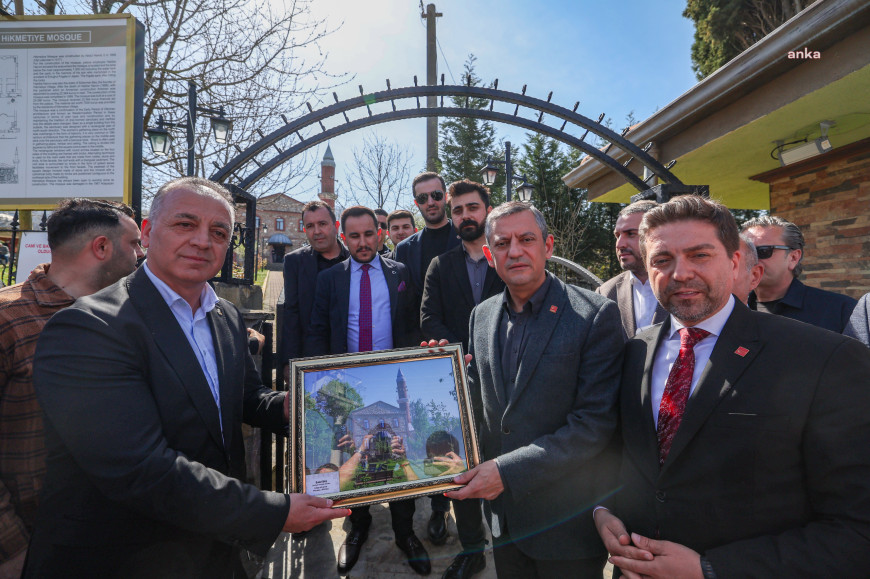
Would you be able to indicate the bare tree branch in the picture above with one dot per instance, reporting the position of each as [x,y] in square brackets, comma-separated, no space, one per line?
[380,177]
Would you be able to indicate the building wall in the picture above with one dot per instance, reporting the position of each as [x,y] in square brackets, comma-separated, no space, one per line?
[831,205]
[272,208]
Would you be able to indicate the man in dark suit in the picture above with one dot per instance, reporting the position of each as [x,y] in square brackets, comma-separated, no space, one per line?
[439,235]
[630,290]
[543,381]
[780,246]
[364,304]
[144,386]
[743,433]
[301,269]
[456,282]
[417,252]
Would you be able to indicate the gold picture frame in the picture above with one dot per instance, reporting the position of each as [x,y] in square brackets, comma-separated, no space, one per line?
[380,426]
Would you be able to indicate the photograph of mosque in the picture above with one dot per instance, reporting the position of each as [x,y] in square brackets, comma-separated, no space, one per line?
[380,425]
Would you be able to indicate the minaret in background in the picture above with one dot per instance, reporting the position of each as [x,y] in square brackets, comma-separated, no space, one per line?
[402,390]
[327,178]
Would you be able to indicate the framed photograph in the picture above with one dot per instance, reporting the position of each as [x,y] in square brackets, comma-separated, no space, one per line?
[380,426]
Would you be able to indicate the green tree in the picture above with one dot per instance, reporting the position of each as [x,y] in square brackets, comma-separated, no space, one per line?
[581,229]
[466,142]
[725,28]
[338,399]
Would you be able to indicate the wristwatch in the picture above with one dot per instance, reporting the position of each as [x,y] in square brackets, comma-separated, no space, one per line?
[707,568]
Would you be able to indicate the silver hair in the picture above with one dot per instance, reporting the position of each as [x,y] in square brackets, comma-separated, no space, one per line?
[510,208]
[791,235]
[752,255]
[637,207]
[199,186]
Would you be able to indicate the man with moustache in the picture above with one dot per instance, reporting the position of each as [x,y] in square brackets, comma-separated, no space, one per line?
[93,244]
[144,386]
[301,268]
[780,245]
[456,282]
[417,252]
[743,432]
[364,304]
[630,290]
[543,380]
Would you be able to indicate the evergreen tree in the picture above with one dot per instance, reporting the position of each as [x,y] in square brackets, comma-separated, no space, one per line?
[582,230]
[725,28]
[465,143]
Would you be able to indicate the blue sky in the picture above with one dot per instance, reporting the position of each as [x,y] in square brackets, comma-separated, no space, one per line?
[424,379]
[612,57]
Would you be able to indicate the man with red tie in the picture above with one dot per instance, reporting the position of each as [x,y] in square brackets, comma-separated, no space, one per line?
[743,432]
[364,304]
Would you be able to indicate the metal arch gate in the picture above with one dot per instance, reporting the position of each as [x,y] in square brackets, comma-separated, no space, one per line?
[245,169]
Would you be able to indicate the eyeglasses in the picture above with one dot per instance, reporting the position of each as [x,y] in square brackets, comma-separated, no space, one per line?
[765,251]
[424,197]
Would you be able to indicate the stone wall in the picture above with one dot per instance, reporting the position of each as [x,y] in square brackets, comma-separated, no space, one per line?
[828,197]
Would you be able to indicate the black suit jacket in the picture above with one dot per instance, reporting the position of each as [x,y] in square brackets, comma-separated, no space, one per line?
[769,472]
[814,306]
[410,253]
[328,332]
[300,277]
[141,481]
[447,297]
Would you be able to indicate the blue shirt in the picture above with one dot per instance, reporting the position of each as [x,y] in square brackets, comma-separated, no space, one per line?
[196,329]
[382,322]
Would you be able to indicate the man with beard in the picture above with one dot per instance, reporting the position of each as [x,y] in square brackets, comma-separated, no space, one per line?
[456,282]
[364,304]
[742,431]
[93,245]
[382,232]
[630,290]
[417,252]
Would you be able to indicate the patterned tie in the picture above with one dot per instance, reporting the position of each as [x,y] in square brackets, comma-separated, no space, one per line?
[677,390]
[365,310]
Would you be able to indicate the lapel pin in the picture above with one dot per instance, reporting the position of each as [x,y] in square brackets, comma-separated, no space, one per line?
[554,309]
[741,351]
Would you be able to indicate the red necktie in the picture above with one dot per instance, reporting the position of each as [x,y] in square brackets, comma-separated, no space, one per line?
[365,310]
[677,390]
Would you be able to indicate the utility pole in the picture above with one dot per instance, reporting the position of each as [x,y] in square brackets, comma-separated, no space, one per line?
[431,80]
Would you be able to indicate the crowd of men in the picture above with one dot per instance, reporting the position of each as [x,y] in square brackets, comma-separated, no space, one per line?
[701,415]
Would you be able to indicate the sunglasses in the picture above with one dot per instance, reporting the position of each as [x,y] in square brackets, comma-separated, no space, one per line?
[424,197]
[382,225]
[765,251]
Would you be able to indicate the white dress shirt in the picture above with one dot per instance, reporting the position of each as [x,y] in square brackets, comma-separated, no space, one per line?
[196,329]
[645,302]
[382,322]
[669,349]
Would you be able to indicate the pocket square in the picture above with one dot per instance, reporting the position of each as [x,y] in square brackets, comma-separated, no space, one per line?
[401,286]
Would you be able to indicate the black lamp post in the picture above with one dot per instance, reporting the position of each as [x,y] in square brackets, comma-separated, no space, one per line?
[490,172]
[161,138]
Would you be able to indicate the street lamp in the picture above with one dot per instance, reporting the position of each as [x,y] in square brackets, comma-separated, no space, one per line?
[490,172]
[161,139]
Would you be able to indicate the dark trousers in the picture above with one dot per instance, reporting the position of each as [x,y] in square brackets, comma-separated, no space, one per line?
[512,563]
[401,514]
[469,521]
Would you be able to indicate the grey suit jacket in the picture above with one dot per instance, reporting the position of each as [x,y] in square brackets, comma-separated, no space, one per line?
[859,324]
[619,289]
[141,480]
[549,436]
[768,473]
